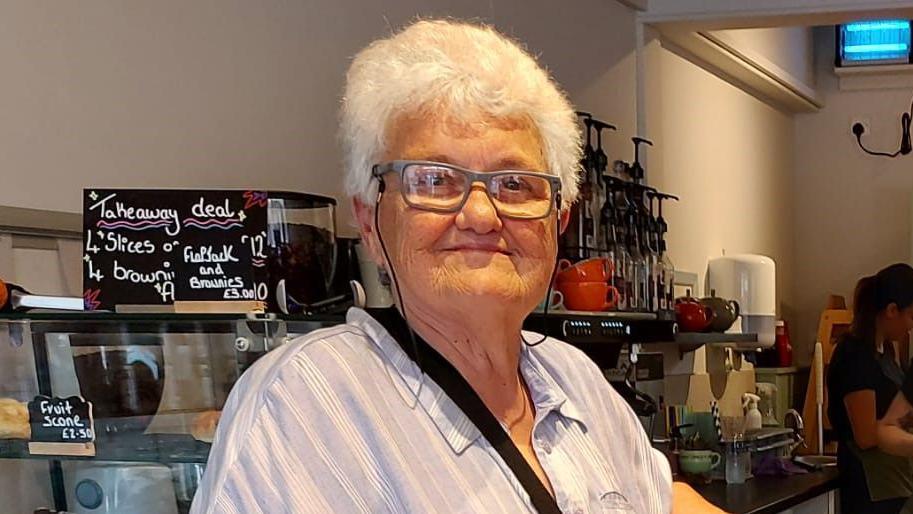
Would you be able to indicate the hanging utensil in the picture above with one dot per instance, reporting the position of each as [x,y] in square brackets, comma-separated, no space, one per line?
[636,170]
[588,160]
[586,225]
[601,160]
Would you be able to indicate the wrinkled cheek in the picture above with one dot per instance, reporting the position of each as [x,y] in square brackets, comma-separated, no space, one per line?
[540,261]
[537,238]
[415,236]
[545,261]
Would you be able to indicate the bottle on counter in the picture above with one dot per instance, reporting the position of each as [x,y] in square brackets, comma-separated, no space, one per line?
[615,250]
[753,419]
[646,271]
[619,258]
[626,267]
[666,271]
[783,345]
[651,258]
[666,286]
[637,266]
[656,293]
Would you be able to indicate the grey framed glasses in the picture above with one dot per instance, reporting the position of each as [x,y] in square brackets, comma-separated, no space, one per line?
[439,187]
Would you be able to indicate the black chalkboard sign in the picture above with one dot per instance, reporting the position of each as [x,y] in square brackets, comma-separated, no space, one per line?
[61,420]
[155,247]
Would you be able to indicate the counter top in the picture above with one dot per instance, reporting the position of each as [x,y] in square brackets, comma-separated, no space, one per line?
[767,495]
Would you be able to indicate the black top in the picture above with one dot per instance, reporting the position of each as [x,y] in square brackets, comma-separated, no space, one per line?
[907,387]
[857,366]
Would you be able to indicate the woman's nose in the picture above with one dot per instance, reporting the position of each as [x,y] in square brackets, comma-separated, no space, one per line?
[478,214]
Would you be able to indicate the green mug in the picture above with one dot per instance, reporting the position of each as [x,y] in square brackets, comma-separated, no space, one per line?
[696,462]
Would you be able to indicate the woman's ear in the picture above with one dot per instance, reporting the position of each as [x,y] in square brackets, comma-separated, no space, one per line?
[364,216]
[891,311]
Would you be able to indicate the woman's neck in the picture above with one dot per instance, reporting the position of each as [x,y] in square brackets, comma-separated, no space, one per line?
[484,348]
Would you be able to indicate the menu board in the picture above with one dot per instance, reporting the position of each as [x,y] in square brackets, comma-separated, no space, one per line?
[61,420]
[155,247]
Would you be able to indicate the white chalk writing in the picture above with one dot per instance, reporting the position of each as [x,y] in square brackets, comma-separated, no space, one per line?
[128,275]
[115,242]
[119,211]
[206,253]
[206,210]
[216,283]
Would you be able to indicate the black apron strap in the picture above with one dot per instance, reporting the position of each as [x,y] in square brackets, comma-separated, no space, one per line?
[464,396]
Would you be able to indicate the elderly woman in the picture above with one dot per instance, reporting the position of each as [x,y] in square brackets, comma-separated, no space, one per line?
[461,158]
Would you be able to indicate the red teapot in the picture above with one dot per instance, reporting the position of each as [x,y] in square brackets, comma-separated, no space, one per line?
[692,315]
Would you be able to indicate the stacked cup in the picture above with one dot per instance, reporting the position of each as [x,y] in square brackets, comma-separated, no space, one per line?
[585,285]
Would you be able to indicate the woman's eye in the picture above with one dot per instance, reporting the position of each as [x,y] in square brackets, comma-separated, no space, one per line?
[513,184]
[432,179]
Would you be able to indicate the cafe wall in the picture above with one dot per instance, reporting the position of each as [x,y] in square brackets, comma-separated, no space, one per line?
[236,93]
[729,156]
[788,52]
[853,213]
[233,93]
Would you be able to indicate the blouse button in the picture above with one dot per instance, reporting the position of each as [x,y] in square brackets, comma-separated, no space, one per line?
[546,447]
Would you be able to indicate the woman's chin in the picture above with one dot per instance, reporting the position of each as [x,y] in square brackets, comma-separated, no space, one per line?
[485,284]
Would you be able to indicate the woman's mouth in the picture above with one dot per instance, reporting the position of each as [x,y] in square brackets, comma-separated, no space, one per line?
[483,248]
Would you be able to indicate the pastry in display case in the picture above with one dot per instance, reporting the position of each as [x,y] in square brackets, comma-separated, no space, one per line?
[105,413]
[14,419]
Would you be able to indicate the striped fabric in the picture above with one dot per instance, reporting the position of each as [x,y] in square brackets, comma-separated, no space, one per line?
[342,421]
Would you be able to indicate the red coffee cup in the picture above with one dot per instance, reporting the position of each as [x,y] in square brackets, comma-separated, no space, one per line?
[588,296]
[597,269]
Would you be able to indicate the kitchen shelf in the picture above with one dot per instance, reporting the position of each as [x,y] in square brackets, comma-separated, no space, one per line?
[598,314]
[714,338]
[690,341]
[601,328]
[158,448]
[882,76]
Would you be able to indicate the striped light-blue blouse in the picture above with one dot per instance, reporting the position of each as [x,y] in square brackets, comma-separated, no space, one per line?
[341,420]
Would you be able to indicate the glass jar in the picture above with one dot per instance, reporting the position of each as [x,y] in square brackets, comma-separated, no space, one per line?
[738,462]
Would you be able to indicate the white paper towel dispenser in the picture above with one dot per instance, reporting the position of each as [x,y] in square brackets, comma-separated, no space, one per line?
[751,280]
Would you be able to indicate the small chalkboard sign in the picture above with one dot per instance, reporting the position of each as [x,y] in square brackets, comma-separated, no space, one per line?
[156,247]
[61,426]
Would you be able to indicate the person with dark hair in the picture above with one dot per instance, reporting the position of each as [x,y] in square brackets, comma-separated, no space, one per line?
[863,378]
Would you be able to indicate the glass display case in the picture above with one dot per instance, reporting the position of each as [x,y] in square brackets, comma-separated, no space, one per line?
[156,383]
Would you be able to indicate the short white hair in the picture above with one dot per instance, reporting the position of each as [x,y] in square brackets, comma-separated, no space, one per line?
[468,69]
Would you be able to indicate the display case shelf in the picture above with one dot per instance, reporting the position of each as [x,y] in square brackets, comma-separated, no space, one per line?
[164,369]
[157,448]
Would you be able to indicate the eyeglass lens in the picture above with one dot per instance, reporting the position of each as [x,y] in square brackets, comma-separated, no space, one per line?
[443,188]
